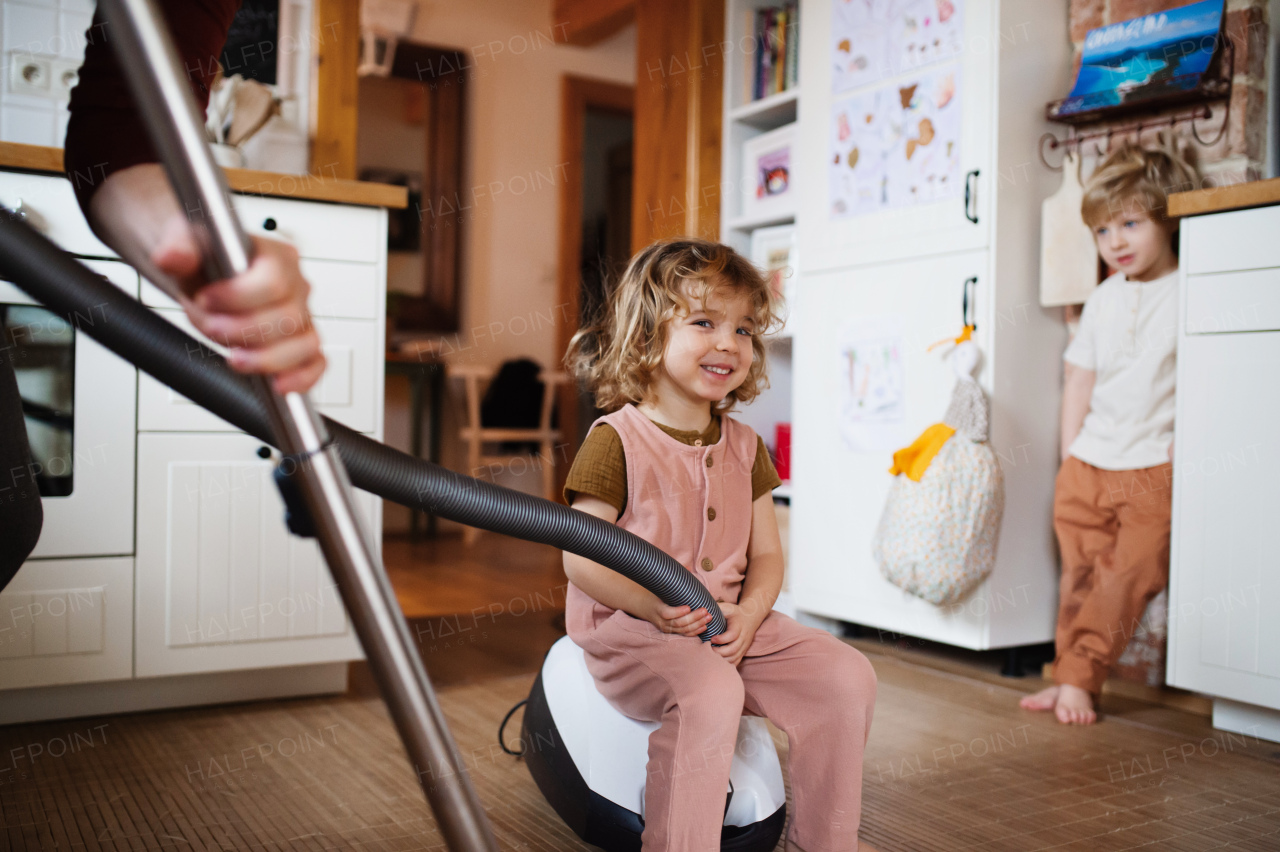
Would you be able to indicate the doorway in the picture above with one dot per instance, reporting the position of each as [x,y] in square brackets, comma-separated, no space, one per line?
[595,227]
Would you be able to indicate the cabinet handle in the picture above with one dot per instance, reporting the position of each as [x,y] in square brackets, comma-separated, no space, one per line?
[967,304]
[269,224]
[971,196]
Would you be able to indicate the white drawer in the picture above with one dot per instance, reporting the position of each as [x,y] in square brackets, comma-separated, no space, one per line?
[338,289]
[318,230]
[1228,242]
[1233,301]
[67,621]
[51,209]
[347,393]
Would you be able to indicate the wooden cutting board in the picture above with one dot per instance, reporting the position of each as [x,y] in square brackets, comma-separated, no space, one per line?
[1068,256]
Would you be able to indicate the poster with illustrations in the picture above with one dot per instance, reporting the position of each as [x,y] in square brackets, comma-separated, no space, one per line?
[896,145]
[875,39]
[873,405]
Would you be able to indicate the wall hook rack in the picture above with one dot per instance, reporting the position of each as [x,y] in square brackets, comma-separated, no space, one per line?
[1209,91]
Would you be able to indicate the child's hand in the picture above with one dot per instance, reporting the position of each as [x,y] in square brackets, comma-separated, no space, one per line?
[679,620]
[734,642]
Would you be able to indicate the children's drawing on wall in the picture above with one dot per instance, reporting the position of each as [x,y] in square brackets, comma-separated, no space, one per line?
[873,405]
[896,146]
[875,39]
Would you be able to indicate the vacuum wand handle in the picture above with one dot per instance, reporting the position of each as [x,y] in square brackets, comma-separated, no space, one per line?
[150,63]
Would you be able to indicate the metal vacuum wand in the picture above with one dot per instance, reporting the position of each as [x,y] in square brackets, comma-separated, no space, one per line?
[150,62]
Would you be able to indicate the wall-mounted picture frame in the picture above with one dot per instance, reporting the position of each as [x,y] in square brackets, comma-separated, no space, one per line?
[773,250]
[767,188]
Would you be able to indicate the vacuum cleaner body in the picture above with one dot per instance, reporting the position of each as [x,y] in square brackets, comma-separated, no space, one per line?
[589,761]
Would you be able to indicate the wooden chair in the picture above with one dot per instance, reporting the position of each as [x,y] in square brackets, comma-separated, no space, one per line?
[475,436]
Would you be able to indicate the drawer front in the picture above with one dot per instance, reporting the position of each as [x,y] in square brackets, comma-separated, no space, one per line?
[1233,301]
[347,393]
[50,207]
[67,621]
[338,289]
[318,230]
[1228,242]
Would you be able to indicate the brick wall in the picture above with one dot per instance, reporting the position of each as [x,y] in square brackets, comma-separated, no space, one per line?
[1242,152]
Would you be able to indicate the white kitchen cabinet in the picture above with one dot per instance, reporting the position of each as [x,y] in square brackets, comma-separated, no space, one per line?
[907,267]
[197,592]
[1224,637]
[222,584]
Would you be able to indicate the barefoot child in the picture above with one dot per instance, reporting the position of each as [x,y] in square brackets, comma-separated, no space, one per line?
[1112,501]
[680,345]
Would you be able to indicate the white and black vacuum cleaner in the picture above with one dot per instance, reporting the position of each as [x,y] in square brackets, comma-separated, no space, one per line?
[327,458]
[589,760]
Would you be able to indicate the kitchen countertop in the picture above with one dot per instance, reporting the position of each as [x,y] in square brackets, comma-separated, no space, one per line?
[1259,193]
[37,158]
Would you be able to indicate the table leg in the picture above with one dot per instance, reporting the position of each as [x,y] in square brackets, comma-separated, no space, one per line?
[437,404]
[415,437]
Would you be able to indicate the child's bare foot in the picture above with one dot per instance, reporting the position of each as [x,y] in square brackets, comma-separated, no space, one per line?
[1075,706]
[1045,699]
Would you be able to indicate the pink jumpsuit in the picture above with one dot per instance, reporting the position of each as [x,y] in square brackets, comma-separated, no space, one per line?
[694,502]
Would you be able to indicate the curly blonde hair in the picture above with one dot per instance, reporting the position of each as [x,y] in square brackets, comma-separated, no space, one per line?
[618,353]
[1133,179]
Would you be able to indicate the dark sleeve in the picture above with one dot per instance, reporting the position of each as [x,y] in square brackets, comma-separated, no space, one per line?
[105,132]
[764,476]
[599,469]
[21,514]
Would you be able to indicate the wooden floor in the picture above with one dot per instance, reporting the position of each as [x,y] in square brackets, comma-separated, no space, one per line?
[952,764]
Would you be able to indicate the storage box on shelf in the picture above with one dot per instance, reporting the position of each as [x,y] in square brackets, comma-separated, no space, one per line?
[200,578]
[905,267]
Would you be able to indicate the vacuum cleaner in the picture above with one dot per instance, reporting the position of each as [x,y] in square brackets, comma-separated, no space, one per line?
[323,459]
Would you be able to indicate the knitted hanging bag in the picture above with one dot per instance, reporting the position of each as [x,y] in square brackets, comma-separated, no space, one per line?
[937,536]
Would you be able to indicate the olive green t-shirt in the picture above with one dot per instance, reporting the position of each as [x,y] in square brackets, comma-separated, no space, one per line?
[600,468]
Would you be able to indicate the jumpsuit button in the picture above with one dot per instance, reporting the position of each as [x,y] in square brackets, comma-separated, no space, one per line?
[709,461]
[711,514]
[706,564]
[698,442]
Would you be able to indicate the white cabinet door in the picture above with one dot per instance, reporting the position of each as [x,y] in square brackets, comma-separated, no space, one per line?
[222,584]
[828,239]
[67,621]
[838,490]
[1224,636]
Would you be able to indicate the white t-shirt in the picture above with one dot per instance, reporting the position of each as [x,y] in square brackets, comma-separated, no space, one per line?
[1128,336]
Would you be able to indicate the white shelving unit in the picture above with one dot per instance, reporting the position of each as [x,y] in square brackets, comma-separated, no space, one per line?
[744,120]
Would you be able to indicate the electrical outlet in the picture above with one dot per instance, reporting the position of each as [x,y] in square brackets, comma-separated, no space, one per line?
[65,74]
[30,74]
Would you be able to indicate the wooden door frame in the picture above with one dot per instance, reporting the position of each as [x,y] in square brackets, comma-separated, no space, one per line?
[577,95]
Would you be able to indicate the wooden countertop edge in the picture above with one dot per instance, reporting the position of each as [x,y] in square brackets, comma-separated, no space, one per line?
[38,158]
[1219,199]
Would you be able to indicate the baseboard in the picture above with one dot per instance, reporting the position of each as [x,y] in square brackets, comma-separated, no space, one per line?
[1164,696]
[73,701]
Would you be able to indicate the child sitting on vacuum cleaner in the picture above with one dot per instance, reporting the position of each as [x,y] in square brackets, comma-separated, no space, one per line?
[680,344]
[1111,505]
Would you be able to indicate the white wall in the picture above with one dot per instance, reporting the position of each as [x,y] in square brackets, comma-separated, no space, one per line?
[513,178]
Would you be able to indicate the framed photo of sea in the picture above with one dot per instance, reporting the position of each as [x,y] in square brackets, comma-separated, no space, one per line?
[1152,61]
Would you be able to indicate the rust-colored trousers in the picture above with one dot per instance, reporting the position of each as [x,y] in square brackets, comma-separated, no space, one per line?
[818,690]
[1113,532]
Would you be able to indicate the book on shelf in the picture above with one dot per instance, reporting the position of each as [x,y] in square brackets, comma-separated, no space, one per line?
[775,32]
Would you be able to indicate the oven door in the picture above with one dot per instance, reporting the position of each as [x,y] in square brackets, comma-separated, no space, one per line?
[80,406]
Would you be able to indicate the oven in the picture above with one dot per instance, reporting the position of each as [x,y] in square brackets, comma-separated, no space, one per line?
[79,402]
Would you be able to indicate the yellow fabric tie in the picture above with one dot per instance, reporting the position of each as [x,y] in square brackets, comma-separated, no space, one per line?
[915,459]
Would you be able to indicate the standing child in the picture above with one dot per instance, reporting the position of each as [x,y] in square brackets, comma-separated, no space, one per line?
[1112,501]
[680,344]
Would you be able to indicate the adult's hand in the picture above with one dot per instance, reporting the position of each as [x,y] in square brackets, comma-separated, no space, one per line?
[260,315]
